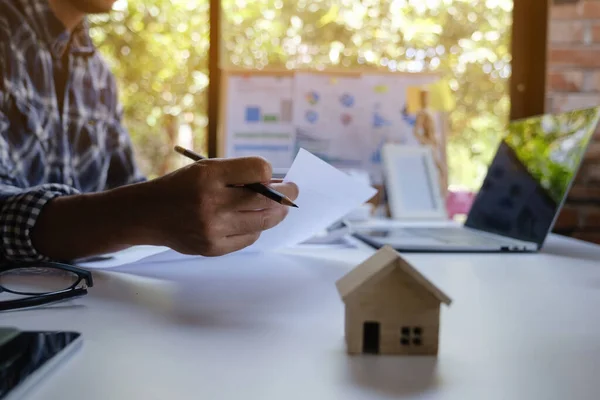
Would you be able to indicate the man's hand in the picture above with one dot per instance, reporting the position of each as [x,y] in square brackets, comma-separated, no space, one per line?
[199,212]
[194,210]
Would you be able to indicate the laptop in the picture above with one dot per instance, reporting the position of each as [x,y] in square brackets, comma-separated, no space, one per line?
[520,198]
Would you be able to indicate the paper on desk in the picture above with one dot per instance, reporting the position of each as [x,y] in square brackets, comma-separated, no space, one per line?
[128,256]
[326,194]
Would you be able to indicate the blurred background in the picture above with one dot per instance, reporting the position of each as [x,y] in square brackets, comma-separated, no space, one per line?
[159,51]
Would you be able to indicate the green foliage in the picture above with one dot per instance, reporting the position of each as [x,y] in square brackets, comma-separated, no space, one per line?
[159,50]
[551,147]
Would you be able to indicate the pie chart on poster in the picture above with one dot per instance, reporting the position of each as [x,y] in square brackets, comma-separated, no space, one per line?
[346,119]
[311,116]
[347,100]
[312,98]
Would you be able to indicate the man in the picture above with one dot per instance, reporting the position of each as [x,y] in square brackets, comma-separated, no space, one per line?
[69,184]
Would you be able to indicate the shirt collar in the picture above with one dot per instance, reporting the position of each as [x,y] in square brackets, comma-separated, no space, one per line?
[54,33]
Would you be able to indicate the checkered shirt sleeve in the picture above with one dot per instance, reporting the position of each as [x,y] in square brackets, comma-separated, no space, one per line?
[19,210]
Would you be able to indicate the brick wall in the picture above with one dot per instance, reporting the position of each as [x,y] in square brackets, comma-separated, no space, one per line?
[573,81]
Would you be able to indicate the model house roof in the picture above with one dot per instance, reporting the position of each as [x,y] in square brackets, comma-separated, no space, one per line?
[384,261]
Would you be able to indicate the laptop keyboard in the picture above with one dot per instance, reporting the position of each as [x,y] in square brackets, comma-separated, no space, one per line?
[457,236]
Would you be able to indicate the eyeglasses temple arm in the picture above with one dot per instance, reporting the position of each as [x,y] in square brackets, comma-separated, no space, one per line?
[41,299]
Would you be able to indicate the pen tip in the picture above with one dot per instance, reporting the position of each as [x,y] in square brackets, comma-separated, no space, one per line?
[288,202]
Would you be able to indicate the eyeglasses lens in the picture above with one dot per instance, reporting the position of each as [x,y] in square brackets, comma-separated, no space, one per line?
[36,280]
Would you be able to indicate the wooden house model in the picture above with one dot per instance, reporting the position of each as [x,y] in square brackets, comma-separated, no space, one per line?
[391,308]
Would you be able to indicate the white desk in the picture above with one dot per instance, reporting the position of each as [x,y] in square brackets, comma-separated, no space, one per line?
[520,327]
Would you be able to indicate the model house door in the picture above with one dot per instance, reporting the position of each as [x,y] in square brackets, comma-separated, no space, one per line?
[371,337]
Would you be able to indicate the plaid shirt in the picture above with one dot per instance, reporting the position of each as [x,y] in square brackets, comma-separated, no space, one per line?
[60,121]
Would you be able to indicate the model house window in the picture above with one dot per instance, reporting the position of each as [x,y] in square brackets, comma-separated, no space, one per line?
[411,335]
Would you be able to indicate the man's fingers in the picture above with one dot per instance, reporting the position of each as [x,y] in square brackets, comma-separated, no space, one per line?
[243,228]
[242,170]
[245,222]
[230,244]
[239,242]
[247,200]
[243,199]
[289,189]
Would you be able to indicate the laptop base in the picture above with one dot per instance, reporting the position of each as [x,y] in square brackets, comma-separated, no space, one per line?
[456,240]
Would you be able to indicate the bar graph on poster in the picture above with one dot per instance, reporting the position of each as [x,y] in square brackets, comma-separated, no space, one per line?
[343,118]
[259,119]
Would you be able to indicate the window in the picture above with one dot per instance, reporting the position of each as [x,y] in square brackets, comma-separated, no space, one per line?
[164,90]
[411,336]
[468,42]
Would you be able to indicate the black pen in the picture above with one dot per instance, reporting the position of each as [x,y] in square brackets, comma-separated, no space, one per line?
[255,187]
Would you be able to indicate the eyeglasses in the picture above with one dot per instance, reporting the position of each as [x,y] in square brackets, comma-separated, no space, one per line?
[41,283]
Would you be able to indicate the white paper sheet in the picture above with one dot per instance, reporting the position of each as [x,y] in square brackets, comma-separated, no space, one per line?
[125,257]
[325,195]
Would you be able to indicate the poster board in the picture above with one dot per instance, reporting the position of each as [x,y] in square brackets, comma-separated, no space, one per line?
[344,117]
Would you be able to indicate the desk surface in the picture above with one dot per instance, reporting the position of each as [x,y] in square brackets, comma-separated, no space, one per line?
[521,326]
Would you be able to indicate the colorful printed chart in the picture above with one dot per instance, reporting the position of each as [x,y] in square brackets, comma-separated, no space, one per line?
[329,120]
[259,119]
[344,120]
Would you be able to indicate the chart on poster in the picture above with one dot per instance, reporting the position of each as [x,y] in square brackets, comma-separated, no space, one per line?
[331,118]
[344,119]
[259,112]
[400,112]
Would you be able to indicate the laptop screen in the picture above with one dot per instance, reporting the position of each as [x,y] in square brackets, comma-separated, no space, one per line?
[531,174]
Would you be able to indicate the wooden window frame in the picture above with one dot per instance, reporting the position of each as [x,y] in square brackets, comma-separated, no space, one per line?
[529,49]
[214,76]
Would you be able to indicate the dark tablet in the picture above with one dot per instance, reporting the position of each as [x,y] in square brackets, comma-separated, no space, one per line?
[27,356]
